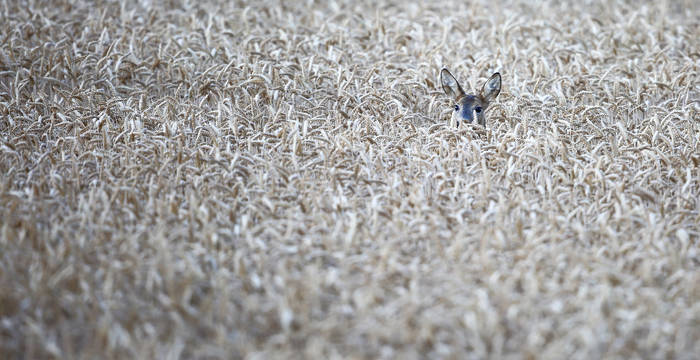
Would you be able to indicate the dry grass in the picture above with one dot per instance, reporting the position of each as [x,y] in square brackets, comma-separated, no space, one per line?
[267,180]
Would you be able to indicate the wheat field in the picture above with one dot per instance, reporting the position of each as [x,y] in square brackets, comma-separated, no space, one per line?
[280,180]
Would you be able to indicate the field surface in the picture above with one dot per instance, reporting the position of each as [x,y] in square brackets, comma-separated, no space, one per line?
[264,180]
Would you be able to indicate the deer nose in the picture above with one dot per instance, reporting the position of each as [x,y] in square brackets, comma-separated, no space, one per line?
[467,115]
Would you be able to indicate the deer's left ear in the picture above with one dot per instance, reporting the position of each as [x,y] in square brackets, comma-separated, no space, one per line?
[492,87]
[450,85]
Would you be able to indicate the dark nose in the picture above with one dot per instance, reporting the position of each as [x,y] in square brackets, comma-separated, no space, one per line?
[467,115]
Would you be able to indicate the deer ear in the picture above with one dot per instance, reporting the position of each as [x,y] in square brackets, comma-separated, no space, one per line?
[492,87]
[449,84]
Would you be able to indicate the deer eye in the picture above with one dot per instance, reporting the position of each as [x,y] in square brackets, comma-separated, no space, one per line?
[477,109]
[456,107]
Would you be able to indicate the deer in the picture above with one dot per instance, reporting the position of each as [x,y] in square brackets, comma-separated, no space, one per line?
[467,107]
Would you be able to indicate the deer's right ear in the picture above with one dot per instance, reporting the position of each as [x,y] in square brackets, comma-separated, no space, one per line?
[492,87]
[450,84]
